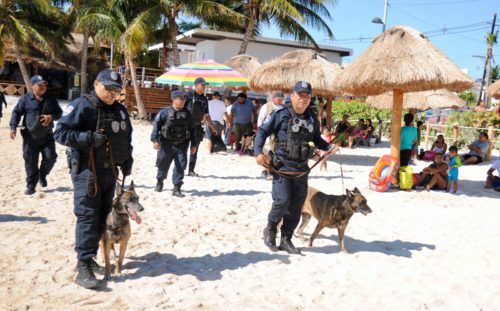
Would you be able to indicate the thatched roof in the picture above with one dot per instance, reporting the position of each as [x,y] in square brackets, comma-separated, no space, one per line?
[284,72]
[437,99]
[401,58]
[68,60]
[494,89]
[245,64]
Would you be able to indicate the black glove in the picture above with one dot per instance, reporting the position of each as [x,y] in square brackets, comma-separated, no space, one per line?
[127,166]
[97,139]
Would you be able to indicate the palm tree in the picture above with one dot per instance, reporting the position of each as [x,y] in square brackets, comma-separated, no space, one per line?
[290,16]
[17,27]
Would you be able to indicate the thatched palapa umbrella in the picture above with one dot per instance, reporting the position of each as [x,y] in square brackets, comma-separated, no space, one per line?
[494,89]
[306,65]
[401,60]
[245,64]
[424,100]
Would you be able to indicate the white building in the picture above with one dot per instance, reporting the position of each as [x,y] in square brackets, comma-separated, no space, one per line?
[205,44]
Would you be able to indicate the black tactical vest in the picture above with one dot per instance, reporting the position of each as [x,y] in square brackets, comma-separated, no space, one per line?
[198,107]
[300,133]
[112,120]
[176,128]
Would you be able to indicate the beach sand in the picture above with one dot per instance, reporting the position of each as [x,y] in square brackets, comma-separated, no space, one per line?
[416,251]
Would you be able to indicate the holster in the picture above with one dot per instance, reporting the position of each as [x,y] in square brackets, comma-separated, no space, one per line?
[73,160]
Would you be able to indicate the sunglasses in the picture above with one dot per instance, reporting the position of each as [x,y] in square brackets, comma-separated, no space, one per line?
[112,88]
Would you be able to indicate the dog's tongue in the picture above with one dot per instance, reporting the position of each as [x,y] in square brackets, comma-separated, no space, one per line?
[135,216]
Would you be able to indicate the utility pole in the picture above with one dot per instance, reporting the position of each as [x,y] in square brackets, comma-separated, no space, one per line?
[386,4]
[487,66]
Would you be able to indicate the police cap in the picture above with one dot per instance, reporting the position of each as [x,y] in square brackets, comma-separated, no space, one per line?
[109,77]
[302,86]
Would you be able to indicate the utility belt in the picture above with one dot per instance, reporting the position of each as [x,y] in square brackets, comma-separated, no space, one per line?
[78,161]
[296,152]
[278,162]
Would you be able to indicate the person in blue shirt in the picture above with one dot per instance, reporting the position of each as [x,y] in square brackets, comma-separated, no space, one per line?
[243,116]
[173,131]
[297,132]
[408,138]
[39,113]
[97,128]
[454,164]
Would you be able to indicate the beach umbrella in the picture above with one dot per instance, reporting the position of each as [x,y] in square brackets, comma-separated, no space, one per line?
[400,60]
[494,89]
[306,65]
[245,64]
[438,99]
[217,75]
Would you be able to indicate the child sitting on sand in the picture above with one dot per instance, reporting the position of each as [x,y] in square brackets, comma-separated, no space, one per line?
[455,163]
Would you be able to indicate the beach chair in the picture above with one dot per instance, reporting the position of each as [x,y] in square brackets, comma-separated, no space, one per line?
[383,173]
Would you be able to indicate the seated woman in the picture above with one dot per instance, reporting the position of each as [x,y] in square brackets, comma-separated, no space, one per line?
[478,150]
[435,176]
[341,133]
[360,135]
[439,146]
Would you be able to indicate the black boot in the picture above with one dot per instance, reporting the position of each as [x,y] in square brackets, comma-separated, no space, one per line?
[86,277]
[270,236]
[30,190]
[177,192]
[193,174]
[43,181]
[287,245]
[159,185]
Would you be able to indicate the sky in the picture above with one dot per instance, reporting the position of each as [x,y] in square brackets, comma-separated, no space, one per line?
[466,24]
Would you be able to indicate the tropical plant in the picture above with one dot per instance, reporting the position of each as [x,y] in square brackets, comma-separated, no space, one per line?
[495,73]
[290,16]
[469,97]
[18,27]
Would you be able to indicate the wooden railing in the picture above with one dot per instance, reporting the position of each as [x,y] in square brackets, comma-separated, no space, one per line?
[12,89]
[154,99]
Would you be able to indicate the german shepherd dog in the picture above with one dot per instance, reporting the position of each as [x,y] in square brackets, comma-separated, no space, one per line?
[125,205]
[332,211]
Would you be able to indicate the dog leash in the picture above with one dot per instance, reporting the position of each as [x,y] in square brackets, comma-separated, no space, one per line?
[341,173]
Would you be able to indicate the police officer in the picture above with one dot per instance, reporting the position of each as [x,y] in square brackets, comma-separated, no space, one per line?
[297,131]
[2,101]
[97,129]
[173,130]
[39,114]
[197,104]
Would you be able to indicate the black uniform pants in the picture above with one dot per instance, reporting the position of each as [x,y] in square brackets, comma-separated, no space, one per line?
[169,152]
[288,197]
[198,134]
[31,154]
[91,212]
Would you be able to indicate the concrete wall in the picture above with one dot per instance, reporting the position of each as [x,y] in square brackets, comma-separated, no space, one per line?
[220,51]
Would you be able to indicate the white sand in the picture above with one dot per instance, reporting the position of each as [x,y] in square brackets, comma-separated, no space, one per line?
[416,250]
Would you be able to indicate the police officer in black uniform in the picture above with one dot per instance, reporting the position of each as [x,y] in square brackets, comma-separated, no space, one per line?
[197,104]
[173,130]
[297,133]
[97,128]
[2,101]
[39,114]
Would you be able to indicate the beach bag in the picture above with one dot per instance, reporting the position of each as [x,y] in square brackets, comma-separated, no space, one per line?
[217,144]
[405,177]
[429,155]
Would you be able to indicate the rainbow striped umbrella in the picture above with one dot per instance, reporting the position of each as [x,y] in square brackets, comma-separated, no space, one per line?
[217,75]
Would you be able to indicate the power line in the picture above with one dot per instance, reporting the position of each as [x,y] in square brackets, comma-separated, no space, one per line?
[432,3]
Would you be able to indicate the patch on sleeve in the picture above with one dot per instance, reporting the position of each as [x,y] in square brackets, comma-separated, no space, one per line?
[69,109]
[267,119]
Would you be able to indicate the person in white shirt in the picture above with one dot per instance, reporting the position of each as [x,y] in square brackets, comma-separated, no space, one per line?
[218,114]
[493,181]
[264,113]
[227,137]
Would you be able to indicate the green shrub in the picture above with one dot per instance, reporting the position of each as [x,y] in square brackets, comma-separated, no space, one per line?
[473,119]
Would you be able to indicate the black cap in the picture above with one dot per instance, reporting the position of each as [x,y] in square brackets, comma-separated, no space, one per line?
[200,80]
[216,93]
[176,94]
[37,80]
[109,78]
[302,86]
[279,94]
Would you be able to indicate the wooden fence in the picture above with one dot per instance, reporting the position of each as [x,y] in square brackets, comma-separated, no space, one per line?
[12,89]
[154,99]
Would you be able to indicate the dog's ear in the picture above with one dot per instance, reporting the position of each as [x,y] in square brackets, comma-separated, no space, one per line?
[349,194]
[118,189]
[356,190]
[131,187]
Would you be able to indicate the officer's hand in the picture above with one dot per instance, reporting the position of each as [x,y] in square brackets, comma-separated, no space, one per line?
[156,146]
[193,149]
[263,159]
[98,139]
[45,119]
[12,134]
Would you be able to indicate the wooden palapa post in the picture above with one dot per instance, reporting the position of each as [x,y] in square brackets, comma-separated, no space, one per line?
[397,109]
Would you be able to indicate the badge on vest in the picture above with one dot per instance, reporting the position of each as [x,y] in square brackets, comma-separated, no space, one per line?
[69,109]
[298,123]
[123,125]
[122,114]
[115,126]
